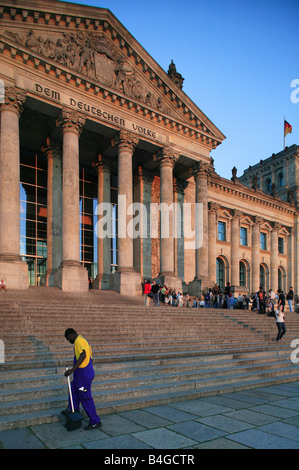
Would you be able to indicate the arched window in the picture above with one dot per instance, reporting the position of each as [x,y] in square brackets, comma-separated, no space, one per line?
[242,271]
[220,272]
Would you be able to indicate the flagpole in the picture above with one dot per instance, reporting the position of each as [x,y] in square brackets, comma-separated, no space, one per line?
[284,136]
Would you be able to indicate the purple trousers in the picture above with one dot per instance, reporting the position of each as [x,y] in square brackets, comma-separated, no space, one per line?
[81,392]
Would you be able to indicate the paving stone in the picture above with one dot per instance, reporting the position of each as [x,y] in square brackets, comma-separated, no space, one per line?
[276,411]
[252,417]
[163,438]
[282,429]
[170,413]
[221,443]
[56,436]
[226,401]
[117,442]
[147,420]
[115,425]
[288,403]
[225,423]
[20,439]
[197,431]
[257,439]
[200,407]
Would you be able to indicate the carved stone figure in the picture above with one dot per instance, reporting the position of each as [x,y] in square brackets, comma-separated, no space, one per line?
[93,55]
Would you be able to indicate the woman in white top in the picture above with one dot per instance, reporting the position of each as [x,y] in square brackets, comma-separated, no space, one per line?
[280,323]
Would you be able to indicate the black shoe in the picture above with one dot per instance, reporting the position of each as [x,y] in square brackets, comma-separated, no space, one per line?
[93,426]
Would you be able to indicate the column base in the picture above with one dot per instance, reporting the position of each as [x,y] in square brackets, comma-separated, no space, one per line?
[171,281]
[102,282]
[126,283]
[195,288]
[14,271]
[71,276]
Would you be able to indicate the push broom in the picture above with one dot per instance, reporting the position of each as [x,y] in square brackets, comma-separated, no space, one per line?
[73,418]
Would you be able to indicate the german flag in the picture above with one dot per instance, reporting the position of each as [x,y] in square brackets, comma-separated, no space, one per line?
[287,128]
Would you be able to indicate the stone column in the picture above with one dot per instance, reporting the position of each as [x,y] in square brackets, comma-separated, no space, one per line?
[12,269]
[103,229]
[235,248]
[291,258]
[71,275]
[166,158]
[52,150]
[125,280]
[201,281]
[143,243]
[274,256]
[213,209]
[179,187]
[296,253]
[256,254]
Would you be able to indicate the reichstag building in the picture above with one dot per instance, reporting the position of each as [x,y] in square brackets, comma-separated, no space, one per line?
[93,128]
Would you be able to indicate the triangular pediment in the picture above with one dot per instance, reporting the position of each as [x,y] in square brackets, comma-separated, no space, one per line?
[91,44]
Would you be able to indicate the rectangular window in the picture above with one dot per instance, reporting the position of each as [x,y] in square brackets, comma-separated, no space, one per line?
[222,231]
[281,245]
[243,236]
[263,241]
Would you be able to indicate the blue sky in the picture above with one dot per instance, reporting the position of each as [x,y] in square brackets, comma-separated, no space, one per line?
[238,59]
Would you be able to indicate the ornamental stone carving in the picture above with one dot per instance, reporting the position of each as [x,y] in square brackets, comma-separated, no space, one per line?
[71,120]
[95,56]
[201,170]
[125,140]
[100,164]
[13,100]
[214,207]
[166,156]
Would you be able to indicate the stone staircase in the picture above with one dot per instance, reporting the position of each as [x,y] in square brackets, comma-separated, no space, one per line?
[142,356]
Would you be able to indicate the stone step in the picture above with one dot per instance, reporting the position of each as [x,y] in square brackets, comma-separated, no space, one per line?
[52,414]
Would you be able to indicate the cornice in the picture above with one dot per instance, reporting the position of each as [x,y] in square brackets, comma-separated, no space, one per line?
[250,195]
[193,124]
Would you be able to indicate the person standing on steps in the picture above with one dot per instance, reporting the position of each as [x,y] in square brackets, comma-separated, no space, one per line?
[83,375]
[280,323]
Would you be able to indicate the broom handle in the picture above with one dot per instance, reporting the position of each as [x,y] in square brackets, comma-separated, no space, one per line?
[70,391]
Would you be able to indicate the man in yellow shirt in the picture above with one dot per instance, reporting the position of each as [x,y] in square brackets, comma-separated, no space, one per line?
[83,376]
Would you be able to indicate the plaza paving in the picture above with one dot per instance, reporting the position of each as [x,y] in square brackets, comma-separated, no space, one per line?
[260,418]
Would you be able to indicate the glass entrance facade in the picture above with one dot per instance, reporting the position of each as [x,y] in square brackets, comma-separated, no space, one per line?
[33,214]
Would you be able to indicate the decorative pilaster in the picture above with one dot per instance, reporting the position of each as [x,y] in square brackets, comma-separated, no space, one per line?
[12,268]
[71,277]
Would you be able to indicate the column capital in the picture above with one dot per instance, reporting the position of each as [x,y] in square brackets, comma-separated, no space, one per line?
[166,156]
[201,170]
[179,186]
[14,99]
[291,231]
[101,163]
[51,148]
[257,220]
[125,140]
[70,120]
[236,214]
[276,226]
[213,207]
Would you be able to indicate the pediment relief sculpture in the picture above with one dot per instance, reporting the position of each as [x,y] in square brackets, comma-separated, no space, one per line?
[93,55]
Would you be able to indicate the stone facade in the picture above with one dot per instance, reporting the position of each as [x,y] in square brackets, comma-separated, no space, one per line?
[84,99]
